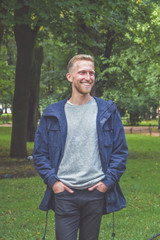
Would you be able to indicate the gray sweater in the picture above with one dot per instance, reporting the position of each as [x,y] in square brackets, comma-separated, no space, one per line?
[80,167]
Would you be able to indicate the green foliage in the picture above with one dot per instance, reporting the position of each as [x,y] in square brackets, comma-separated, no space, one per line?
[40,12]
[5,118]
[126,51]
[131,76]
[149,123]
[6,80]
[123,36]
[54,85]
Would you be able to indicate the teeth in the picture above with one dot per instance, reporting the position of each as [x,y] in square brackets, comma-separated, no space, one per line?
[86,84]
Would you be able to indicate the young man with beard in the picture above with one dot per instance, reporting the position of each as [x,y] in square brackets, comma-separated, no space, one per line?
[80,152]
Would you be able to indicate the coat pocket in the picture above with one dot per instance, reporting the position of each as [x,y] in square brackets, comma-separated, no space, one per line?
[54,135]
[107,136]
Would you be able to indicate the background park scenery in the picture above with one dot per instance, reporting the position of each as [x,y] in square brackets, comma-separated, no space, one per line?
[37,38]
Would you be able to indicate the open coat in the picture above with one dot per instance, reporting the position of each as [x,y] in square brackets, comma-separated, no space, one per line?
[50,142]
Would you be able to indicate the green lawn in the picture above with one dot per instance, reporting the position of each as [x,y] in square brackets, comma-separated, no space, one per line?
[20,218]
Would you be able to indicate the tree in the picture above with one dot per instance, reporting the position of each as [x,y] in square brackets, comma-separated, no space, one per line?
[129,71]
[33,112]
[120,45]
[25,40]
[28,19]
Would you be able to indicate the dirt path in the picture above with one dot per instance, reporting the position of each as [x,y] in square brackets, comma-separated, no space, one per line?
[6,125]
[142,130]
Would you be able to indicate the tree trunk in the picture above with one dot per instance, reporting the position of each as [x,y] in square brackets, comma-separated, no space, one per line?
[34,94]
[5,107]
[25,40]
[110,37]
[1,32]
[3,12]
[134,118]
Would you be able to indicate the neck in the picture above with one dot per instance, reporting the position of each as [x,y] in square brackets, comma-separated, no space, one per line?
[79,100]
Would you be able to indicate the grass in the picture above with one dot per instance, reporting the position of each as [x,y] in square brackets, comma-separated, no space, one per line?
[153,123]
[20,218]
[13,166]
[5,139]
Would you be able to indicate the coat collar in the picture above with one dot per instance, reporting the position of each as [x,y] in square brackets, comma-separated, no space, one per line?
[57,109]
[104,107]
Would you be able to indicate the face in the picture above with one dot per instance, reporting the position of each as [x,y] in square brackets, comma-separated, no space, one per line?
[82,77]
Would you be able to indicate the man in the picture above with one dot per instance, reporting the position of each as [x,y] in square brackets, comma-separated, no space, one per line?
[80,152]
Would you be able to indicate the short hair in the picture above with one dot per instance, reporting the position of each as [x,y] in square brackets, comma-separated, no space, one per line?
[79,57]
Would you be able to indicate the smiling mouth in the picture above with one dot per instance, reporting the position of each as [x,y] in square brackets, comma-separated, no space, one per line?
[86,84]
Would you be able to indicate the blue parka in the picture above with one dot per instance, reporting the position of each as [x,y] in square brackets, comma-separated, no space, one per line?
[50,142]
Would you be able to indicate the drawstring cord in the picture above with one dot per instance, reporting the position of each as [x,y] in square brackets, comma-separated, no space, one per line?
[45,226]
[154,236]
[113,234]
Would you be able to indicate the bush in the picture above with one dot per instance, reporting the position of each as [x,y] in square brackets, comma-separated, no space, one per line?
[5,118]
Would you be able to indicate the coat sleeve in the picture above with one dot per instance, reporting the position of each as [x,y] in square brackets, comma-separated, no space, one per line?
[42,161]
[119,153]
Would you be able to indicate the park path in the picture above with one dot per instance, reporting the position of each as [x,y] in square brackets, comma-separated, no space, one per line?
[6,125]
[146,130]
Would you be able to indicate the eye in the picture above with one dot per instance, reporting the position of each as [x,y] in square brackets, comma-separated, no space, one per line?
[92,73]
[82,72]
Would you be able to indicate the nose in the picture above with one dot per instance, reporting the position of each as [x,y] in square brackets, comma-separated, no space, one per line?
[88,77]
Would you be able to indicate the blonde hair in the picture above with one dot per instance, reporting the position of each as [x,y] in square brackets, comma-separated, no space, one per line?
[79,57]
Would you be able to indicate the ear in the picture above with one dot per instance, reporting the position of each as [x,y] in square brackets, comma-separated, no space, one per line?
[69,77]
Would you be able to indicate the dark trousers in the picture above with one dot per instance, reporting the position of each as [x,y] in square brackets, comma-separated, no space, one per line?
[81,210]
